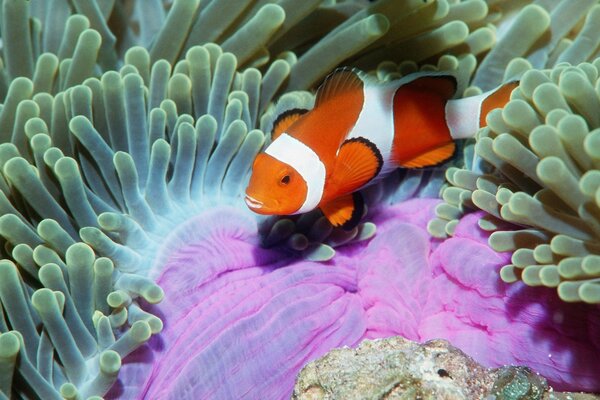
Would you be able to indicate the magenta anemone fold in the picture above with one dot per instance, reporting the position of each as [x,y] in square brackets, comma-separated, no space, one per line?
[240,320]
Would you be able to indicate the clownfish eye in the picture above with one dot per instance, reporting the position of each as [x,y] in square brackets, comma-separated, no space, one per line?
[285,180]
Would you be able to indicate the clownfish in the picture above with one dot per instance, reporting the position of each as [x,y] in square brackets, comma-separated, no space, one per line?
[357,132]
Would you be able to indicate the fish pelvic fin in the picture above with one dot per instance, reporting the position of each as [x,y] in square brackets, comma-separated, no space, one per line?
[345,211]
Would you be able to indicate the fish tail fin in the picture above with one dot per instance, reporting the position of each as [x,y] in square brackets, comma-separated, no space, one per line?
[465,116]
[496,98]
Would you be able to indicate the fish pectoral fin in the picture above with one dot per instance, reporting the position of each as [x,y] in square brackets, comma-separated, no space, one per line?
[285,120]
[345,211]
[433,157]
[358,161]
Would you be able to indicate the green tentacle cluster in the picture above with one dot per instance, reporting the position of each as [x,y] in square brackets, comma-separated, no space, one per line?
[147,37]
[541,154]
[92,177]
[77,350]
[531,165]
[84,36]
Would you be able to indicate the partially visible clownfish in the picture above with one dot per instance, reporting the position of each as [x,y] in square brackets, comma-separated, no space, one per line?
[357,132]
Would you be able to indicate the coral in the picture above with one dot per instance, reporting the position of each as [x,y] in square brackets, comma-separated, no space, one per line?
[396,368]
[518,383]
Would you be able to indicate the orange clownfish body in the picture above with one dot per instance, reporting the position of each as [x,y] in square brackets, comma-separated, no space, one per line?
[357,132]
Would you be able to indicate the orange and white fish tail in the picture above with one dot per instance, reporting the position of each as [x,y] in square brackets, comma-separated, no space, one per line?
[465,116]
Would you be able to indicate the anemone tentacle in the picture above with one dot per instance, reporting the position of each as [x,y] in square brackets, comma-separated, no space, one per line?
[541,156]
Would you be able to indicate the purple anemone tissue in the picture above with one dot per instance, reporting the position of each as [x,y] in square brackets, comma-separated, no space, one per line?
[241,321]
[507,324]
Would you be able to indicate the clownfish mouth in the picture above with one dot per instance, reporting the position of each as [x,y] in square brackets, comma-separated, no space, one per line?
[253,203]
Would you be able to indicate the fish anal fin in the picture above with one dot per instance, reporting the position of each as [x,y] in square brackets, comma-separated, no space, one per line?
[345,211]
[357,162]
[339,83]
[285,120]
[433,157]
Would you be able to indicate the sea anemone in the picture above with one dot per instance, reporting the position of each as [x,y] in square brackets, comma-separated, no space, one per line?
[128,254]
[537,169]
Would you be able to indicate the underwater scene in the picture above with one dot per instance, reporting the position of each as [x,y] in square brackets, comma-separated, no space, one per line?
[307,199]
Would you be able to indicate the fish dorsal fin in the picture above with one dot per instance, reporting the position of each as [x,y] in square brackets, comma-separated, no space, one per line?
[357,162]
[339,83]
[345,211]
[285,120]
[433,157]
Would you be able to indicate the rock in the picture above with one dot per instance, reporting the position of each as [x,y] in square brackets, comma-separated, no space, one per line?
[396,368]
[515,383]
